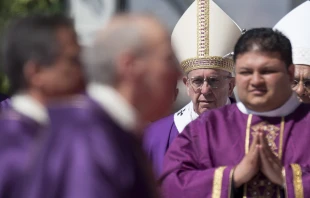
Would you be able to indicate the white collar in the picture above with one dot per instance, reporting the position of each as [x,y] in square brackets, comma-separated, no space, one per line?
[186,115]
[114,104]
[30,107]
[289,106]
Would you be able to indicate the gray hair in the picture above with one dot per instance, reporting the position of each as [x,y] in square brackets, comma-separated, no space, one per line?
[100,58]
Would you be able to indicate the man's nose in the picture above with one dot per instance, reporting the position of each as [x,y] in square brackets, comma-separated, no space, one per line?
[205,88]
[300,89]
[257,79]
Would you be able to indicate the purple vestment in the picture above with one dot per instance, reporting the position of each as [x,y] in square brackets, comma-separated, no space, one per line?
[200,161]
[157,138]
[88,156]
[160,134]
[18,144]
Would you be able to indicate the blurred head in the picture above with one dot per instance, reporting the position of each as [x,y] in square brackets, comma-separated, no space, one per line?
[301,83]
[134,55]
[41,55]
[264,69]
[208,88]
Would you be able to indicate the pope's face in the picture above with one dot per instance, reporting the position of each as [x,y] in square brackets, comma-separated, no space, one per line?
[208,97]
[301,84]
[263,80]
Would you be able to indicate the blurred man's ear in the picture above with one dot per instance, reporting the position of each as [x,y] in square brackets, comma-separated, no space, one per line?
[291,72]
[32,74]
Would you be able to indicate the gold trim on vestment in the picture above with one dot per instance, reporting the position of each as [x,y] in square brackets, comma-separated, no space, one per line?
[271,136]
[281,138]
[297,181]
[217,182]
[247,145]
[230,181]
[210,62]
[247,133]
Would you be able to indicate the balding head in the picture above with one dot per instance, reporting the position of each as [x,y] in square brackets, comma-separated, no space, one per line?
[133,53]
[124,34]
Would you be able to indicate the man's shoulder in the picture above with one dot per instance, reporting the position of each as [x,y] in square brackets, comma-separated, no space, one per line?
[303,110]
[160,129]
[161,123]
[82,116]
[79,102]
[76,109]
[222,112]
[14,123]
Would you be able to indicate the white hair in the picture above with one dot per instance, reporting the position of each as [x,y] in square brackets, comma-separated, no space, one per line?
[100,59]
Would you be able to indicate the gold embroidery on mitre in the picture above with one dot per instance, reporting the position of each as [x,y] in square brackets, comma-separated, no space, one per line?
[297,181]
[217,182]
[211,62]
[203,9]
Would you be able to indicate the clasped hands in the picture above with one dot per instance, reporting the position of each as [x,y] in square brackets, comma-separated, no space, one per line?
[259,158]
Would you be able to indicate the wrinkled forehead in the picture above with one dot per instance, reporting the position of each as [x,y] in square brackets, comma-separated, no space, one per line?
[207,73]
[302,71]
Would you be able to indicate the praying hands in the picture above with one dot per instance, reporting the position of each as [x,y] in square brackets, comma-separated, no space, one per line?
[259,158]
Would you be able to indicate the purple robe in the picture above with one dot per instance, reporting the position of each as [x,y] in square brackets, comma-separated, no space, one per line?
[158,137]
[200,161]
[18,140]
[88,156]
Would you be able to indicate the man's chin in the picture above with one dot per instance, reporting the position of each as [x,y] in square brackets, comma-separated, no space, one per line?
[205,108]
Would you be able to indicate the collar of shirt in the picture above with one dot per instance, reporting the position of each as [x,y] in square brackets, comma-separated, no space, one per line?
[30,107]
[115,105]
[186,115]
[288,107]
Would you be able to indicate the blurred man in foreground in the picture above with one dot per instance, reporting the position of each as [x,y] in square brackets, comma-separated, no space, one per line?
[94,149]
[41,59]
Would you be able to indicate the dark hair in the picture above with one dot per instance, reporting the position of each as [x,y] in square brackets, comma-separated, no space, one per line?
[31,38]
[265,40]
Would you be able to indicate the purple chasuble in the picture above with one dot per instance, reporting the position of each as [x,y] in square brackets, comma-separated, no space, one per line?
[200,161]
[88,156]
[157,138]
[19,137]
[160,134]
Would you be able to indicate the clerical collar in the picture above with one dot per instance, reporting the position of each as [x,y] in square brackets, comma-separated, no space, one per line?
[186,115]
[289,106]
[28,106]
[115,105]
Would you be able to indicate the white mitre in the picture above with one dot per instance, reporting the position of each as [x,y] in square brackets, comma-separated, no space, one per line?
[203,37]
[296,26]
